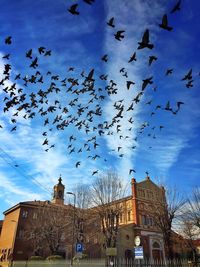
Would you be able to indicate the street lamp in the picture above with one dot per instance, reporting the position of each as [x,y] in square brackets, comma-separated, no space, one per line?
[73,228]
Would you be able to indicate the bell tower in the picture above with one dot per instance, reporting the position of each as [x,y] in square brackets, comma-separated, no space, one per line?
[58,192]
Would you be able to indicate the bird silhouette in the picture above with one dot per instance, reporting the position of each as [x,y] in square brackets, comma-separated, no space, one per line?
[128,84]
[151,59]
[95,172]
[73,9]
[89,2]
[145,43]
[131,170]
[105,58]
[168,71]
[8,40]
[177,7]
[111,22]
[188,76]
[29,54]
[119,35]
[132,58]
[146,82]
[78,164]
[164,25]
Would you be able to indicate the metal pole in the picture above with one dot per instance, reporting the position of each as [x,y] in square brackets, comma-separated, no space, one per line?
[73,229]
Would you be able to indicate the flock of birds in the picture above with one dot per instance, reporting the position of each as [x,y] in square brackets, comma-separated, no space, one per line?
[76,101]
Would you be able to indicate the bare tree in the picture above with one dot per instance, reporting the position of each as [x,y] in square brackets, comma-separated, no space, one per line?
[165,214]
[50,229]
[190,233]
[106,192]
[194,205]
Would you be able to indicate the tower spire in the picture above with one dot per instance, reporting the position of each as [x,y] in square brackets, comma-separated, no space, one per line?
[58,192]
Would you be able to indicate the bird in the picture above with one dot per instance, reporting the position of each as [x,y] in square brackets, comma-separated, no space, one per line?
[128,84]
[105,58]
[111,22]
[13,129]
[89,2]
[34,63]
[41,49]
[133,57]
[167,107]
[73,9]
[46,142]
[47,53]
[145,41]
[188,76]
[179,103]
[147,173]
[146,82]
[78,163]
[161,127]
[95,172]
[119,35]
[131,170]
[29,54]
[177,7]
[164,25]
[189,84]
[151,59]
[168,71]
[8,40]
[7,56]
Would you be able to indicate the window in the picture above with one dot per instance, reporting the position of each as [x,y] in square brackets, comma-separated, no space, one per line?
[144,219]
[141,193]
[95,240]
[129,215]
[21,234]
[34,215]
[121,217]
[24,214]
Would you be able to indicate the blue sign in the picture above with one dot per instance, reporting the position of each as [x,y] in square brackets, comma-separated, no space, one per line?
[79,247]
[139,252]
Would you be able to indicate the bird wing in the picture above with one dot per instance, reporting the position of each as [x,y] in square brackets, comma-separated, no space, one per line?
[145,38]
[164,20]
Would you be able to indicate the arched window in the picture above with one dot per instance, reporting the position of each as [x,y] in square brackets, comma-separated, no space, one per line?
[156,245]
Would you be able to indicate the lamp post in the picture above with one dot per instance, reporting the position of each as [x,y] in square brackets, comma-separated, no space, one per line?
[73,228]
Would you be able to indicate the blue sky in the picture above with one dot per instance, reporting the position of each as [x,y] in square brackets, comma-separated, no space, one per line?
[169,154]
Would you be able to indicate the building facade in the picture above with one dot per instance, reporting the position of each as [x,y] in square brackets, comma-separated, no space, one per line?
[27,224]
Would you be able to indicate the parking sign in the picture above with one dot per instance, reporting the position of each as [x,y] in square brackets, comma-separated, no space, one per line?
[79,247]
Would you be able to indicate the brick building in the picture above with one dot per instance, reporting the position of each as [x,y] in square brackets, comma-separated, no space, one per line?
[136,219]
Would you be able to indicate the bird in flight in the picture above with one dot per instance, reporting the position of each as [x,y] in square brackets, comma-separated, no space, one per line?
[95,172]
[73,9]
[78,164]
[188,76]
[105,58]
[164,25]
[89,2]
[177,7]
[119,35]
[111,22]
[131,170]
[145,43]
[128,84]
[151,59]
[8,40]
[133,57]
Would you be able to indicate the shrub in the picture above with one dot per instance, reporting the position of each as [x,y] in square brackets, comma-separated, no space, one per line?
[36,258]
[54,258]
